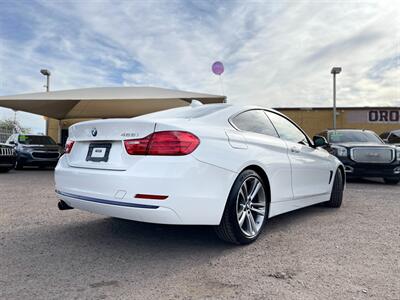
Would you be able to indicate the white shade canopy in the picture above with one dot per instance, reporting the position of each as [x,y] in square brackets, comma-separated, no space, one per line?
[103,102]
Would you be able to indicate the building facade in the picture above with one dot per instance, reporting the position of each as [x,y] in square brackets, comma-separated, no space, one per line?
[315,120]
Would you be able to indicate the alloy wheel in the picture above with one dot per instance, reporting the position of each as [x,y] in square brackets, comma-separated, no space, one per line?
[251,206]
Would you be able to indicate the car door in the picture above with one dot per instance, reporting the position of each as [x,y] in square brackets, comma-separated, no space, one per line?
[311,167]
[267,150]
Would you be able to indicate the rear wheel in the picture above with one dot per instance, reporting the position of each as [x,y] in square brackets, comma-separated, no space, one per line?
[245,211]
[337,191]
[391,180]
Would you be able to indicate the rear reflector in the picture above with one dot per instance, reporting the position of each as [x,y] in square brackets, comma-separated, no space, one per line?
[153,197]
[163,143]
[68,146]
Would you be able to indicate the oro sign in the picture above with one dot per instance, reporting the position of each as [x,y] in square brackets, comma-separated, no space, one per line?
[384,116]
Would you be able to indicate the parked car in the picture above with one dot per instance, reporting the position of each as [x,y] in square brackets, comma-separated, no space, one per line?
[229,166]
[364,154]
[7,158]
[35,150]
[391,137]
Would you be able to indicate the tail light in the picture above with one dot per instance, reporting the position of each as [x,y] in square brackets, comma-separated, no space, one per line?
[68,146]
[163,143]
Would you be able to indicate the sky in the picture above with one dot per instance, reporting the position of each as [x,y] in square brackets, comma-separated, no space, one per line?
[276,53]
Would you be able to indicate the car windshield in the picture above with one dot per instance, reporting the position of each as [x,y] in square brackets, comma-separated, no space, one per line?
[350,136]
[35,140]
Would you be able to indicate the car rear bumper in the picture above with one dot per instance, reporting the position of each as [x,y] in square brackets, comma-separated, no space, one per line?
[196,191]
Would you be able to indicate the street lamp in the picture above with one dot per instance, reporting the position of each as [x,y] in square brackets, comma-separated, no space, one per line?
[46,73]
[334,71]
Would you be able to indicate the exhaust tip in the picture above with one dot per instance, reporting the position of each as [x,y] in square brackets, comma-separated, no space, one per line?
[63,206]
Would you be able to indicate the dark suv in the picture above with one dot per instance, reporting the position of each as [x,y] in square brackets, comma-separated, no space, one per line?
[35,150]
[364,154]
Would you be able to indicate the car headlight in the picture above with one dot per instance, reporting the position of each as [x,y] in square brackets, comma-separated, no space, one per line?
[398,154]
[339,151]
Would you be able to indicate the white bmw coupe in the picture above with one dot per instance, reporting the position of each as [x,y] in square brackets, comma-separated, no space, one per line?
[224,165]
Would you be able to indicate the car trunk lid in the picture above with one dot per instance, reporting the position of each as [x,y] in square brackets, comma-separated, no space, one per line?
[99,144]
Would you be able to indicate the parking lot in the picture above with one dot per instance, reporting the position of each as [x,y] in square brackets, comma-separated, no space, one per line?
[314,253]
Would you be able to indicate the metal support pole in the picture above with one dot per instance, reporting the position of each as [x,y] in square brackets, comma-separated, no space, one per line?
[47,74]
[334,101]
[59,132]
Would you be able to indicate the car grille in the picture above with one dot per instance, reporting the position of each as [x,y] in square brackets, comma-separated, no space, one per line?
[45,154]
[6,152]
[372,155]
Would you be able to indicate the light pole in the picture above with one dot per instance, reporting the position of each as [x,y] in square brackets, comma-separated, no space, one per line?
[334,71]
[46,73]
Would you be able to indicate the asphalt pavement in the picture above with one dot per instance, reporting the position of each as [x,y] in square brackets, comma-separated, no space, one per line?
[313,253]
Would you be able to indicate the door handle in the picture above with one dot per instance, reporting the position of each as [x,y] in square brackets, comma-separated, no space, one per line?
[295,150]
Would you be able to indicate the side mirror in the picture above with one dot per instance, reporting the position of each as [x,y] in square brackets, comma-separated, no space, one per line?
[12,143]
[320,141]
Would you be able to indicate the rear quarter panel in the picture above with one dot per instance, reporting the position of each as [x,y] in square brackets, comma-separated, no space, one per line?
[267,152]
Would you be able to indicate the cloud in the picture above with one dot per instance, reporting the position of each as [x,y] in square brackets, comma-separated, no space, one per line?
[275,53]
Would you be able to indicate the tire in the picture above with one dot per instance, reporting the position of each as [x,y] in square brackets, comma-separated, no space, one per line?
[18,165]
[247,204]
[337,191]
[391,180]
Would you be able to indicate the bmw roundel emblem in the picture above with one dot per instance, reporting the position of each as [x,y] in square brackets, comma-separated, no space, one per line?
[94,131]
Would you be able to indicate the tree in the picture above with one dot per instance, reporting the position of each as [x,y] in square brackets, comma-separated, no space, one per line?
[9,125]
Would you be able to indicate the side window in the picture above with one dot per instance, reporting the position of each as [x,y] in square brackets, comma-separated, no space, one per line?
[287,130]
[254,121]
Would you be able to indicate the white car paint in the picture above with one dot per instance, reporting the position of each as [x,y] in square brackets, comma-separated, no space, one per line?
[197,185]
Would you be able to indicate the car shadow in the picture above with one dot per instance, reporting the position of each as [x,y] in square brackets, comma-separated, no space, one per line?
[33,168]
[377,181]
[132,234]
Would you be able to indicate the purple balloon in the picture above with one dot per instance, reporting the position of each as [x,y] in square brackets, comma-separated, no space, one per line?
[217,68]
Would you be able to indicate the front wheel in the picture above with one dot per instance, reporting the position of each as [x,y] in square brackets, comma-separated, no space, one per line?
[391,180]
[18,165]
[337,191]
[245,211]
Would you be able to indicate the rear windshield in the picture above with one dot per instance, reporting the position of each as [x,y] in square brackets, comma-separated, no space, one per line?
[188,112]
[349,136]
[35,140]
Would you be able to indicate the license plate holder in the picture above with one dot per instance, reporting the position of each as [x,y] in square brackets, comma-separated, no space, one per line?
[98,152]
